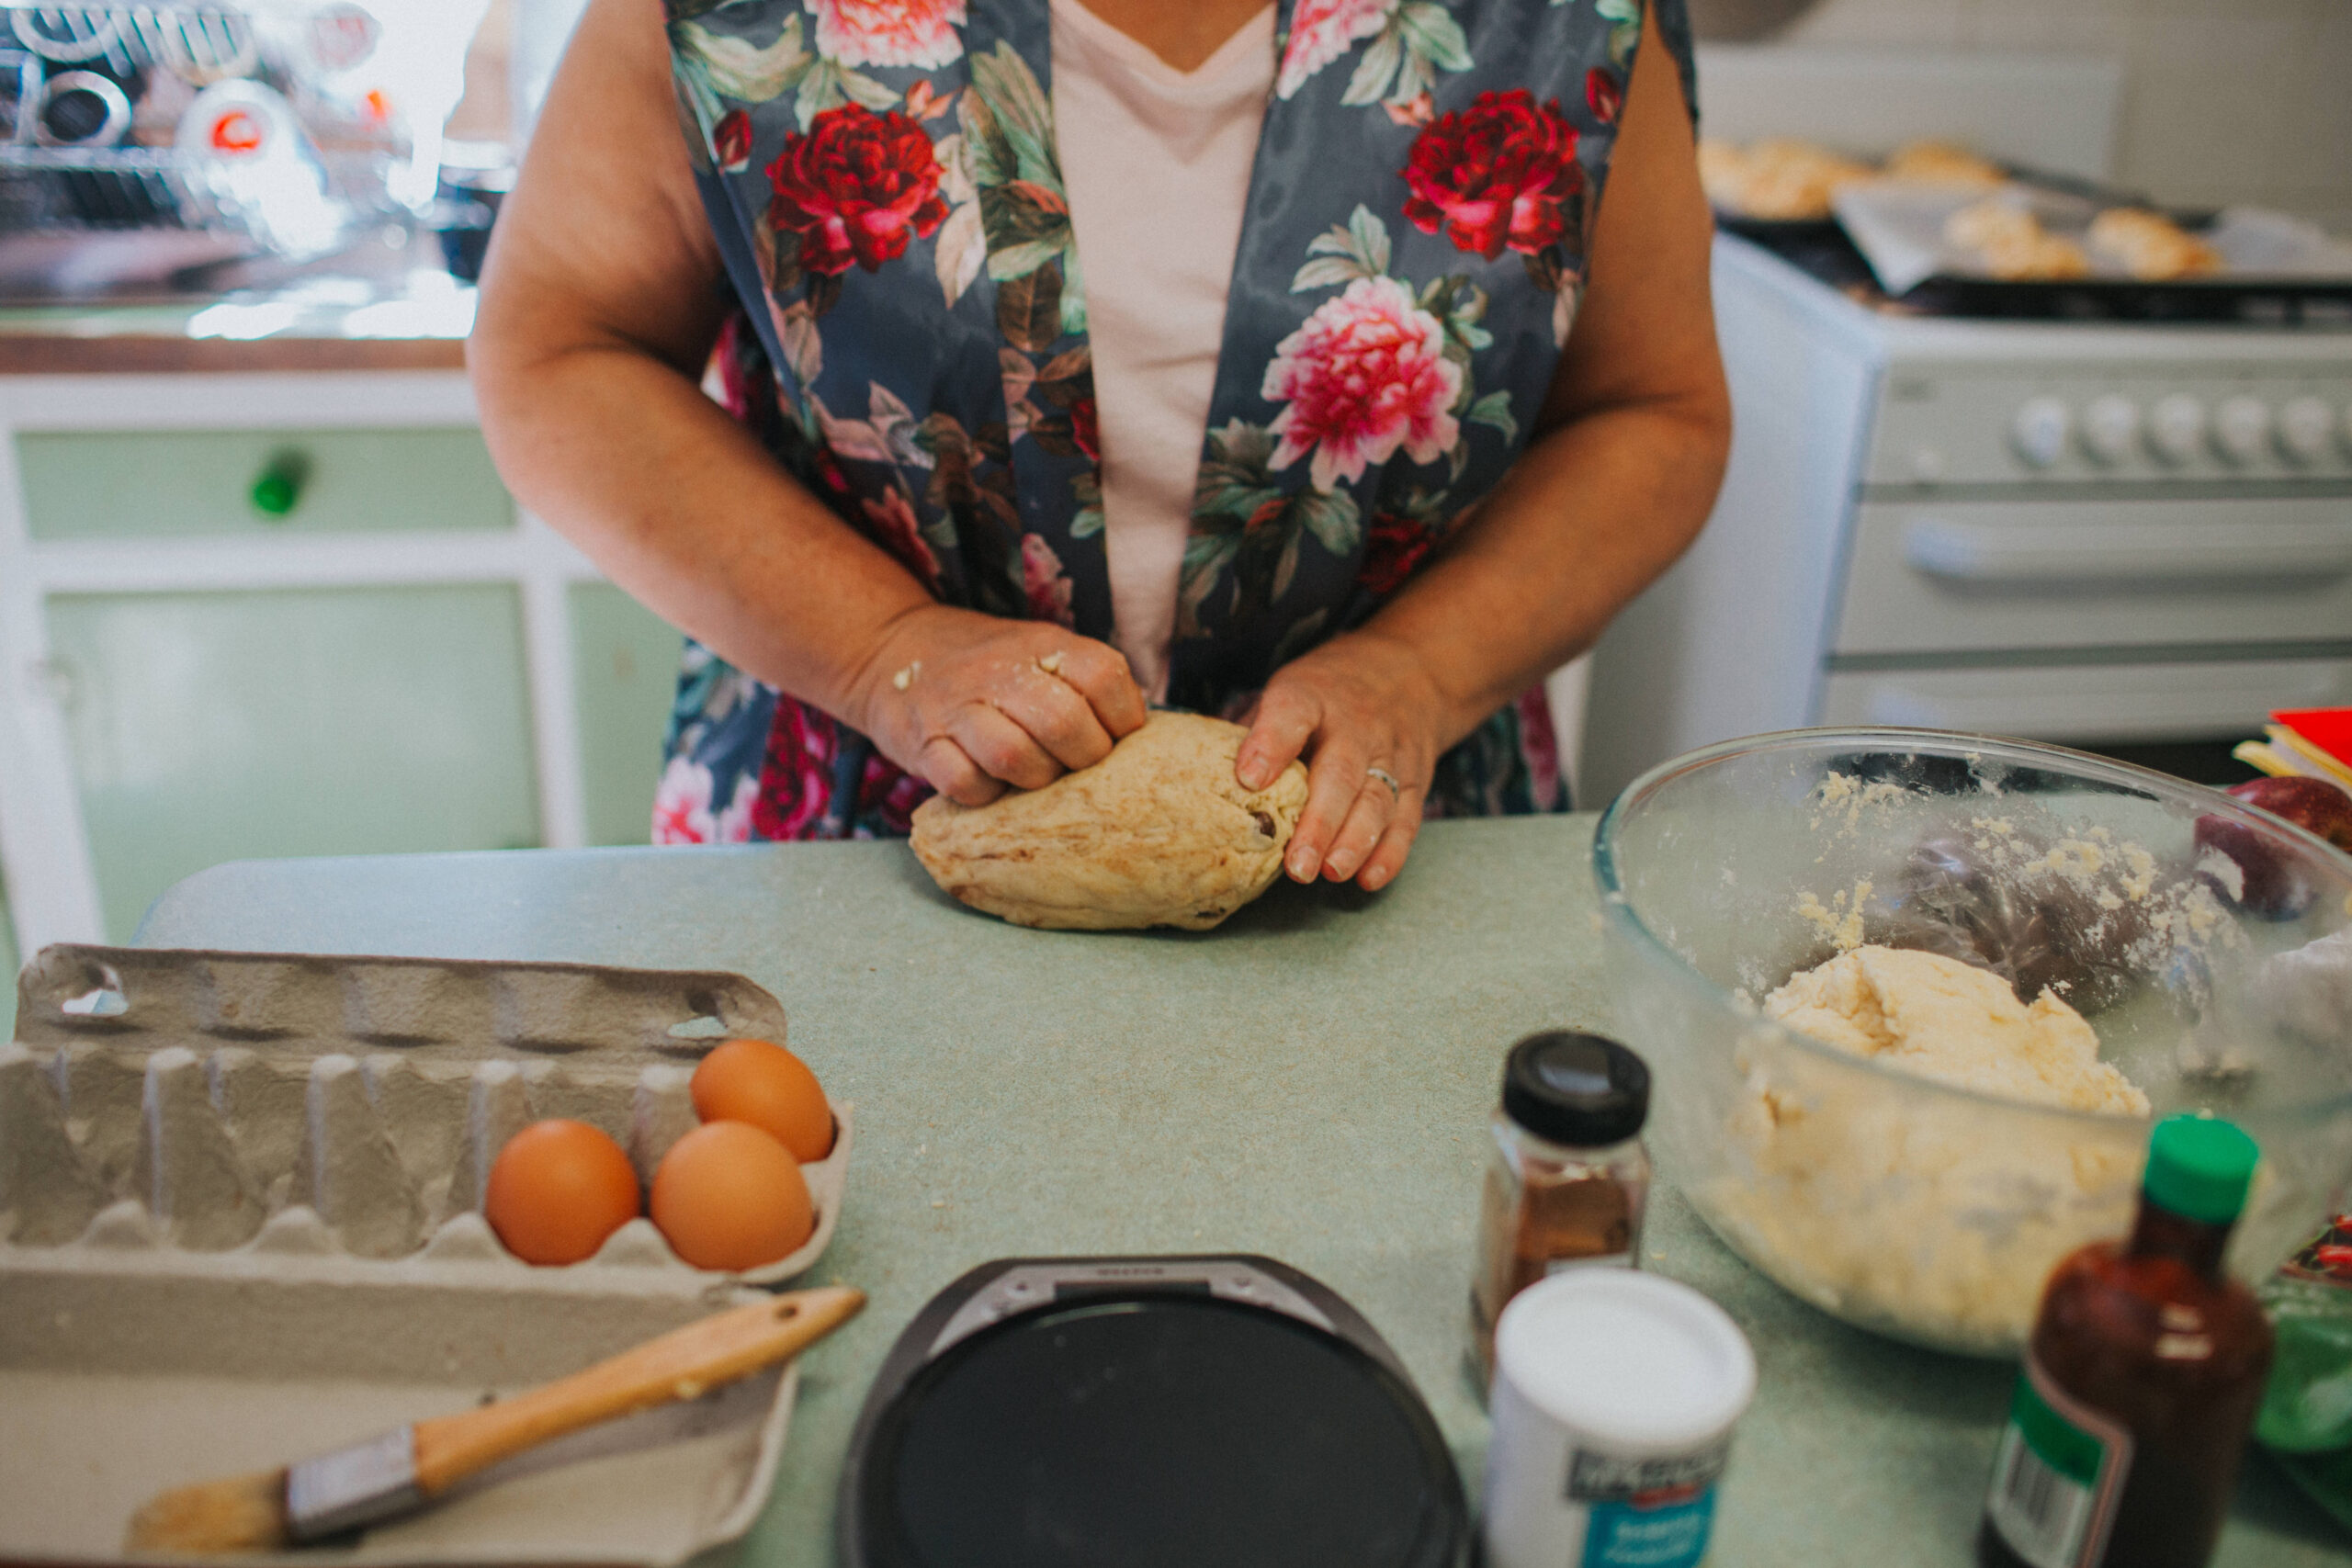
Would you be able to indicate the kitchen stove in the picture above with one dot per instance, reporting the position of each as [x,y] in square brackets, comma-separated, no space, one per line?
[2133,536]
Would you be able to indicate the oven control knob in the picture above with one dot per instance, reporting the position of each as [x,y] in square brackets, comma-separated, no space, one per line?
[2306,430]
[2177,428]
[2111,429]
[2241,429]
[2039,431]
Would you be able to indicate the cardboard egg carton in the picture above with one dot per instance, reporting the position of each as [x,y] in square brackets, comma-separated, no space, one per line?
[240,1224]
[236,1109]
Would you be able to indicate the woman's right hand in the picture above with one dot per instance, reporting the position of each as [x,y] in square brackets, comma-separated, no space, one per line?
[973,703]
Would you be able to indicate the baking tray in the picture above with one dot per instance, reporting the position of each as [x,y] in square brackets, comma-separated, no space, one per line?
[238,1223]
[2277,269]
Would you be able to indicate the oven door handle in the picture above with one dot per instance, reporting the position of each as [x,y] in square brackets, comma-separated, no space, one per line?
[2011,554]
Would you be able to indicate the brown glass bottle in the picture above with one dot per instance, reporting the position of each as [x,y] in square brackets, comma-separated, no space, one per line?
[2141,1382]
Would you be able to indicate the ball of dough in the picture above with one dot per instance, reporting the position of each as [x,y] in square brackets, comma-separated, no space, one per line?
[1918,1212]
[1158,833]
[1956,1023]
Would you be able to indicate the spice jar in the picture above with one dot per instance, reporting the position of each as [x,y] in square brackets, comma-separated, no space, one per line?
[1568,1176]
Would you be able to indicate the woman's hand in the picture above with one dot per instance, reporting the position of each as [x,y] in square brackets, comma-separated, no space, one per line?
[1359,702]
[972,703]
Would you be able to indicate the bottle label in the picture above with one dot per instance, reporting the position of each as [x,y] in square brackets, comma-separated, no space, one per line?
[2057,1476]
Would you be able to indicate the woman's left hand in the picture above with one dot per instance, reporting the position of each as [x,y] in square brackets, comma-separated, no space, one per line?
[1360,707]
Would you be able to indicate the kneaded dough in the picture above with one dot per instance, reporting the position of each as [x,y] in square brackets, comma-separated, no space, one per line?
[1923,1214]
[1956,1023]
[1158,833]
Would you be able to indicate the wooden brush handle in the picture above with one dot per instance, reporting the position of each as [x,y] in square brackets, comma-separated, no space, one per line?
[681,1364]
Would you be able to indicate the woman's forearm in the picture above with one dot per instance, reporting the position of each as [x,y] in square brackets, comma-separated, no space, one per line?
[630,460]
[600,299]
[1592,514]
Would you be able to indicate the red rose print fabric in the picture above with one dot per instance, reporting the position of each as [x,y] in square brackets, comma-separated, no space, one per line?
[857,187]
[1498,174]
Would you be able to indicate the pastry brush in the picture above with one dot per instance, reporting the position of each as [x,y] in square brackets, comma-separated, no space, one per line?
[410,1466]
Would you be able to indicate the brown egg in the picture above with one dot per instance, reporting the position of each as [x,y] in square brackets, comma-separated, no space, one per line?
[729,1196]
[767,1086]
[557,1190]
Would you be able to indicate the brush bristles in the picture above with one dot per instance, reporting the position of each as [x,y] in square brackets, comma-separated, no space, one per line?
[246,1514]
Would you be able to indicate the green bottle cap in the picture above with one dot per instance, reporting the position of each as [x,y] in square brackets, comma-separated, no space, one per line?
[2198,1167]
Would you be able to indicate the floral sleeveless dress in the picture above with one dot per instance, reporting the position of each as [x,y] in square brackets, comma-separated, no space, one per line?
[910,340]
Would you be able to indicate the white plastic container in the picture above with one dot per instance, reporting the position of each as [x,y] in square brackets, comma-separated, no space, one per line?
[1614,1397]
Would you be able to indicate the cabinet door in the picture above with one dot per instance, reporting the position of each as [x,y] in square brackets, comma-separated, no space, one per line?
[215,727]
[625,669]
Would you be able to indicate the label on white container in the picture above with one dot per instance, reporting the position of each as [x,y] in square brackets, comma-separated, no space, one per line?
[1627,1535]
[1646,1513]
[1614,1396]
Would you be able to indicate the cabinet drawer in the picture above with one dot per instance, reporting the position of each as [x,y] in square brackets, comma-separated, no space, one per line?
[146,484]
[1933,577]
[215,727]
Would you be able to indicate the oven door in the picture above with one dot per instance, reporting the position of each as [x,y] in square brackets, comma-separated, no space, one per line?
[1972,576]
[2181,717]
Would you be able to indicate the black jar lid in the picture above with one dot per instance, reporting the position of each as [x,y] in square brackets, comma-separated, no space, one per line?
[1584,1091]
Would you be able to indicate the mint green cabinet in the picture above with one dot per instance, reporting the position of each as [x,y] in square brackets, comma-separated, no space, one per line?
[150,484]
[221,726]
[9,984]
[624,669]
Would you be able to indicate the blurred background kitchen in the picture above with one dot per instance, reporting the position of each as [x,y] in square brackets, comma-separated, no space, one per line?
[261,592]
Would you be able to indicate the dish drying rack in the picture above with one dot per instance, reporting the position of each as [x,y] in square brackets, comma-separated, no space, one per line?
[103,127]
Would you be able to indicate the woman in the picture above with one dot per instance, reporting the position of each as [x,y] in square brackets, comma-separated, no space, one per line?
[1307,440]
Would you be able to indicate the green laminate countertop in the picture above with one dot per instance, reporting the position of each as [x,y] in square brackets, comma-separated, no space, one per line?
[1311,1081]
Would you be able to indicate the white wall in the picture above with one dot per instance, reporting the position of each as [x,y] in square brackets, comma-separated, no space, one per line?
[2225,100]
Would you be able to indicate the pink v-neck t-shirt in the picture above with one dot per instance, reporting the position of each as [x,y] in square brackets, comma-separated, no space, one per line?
[1157,164]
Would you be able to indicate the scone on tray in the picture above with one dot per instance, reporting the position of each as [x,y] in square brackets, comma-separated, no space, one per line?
[1781,179]
[1943,163]
[2151,245]
[2012,244]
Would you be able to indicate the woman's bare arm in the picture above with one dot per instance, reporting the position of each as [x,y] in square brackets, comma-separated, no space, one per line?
[1628,454]
[600,302]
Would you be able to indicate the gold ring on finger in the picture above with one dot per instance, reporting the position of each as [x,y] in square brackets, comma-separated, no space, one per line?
[1396,790]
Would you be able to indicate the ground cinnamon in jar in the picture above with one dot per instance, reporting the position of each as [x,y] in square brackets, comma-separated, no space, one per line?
[1568,1176]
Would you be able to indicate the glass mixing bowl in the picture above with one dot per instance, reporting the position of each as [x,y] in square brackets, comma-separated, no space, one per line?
[2208,945]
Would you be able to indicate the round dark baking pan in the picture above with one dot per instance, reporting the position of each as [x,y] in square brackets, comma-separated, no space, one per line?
[1145,1413]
